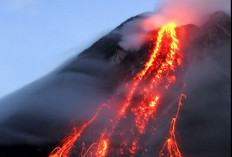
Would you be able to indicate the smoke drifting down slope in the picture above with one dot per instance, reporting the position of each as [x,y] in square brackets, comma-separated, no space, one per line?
[202,127]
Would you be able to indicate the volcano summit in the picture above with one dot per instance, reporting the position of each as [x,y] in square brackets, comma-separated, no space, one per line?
[124,96]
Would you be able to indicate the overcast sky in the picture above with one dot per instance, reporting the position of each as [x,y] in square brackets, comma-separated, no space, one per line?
[38,35]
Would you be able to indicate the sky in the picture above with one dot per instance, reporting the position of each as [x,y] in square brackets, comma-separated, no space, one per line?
[36,36]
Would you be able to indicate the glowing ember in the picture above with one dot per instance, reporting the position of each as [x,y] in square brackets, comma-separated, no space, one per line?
[140,103]
[143,113]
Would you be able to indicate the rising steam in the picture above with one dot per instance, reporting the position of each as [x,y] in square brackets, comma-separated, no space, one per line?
[77,90]
[180,12]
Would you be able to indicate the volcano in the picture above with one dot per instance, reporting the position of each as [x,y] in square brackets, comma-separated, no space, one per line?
[75,98]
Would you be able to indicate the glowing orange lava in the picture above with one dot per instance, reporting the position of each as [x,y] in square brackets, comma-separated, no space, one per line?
[170,144]
[140,104]
[102,149]
[69,141]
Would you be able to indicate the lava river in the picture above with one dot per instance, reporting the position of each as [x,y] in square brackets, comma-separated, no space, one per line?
[137,112]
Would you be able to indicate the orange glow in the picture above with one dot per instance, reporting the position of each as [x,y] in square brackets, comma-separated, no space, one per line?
[89,150]
[69,141]
[143,113]
[162,61]
[171,144]
[141,102]
[102,149]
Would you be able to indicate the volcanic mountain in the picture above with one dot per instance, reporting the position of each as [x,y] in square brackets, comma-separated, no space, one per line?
[35,118]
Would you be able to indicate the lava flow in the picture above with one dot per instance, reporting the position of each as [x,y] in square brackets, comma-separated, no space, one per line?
[171,144]
[139,108]
[69,141]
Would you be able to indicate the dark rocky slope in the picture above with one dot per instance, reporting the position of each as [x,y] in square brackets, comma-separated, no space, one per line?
[36,117]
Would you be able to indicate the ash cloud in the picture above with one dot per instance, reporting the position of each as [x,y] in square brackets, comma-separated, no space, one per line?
[184,12]
[180,12]
[41,112]
[134,34]
[204,125]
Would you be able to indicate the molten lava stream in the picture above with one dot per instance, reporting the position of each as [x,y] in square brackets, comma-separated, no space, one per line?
[69,141]
[158,72]
[170,144]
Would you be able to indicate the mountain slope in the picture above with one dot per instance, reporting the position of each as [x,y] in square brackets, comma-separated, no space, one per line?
[39,114]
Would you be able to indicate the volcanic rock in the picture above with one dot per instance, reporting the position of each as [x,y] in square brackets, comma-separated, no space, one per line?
[36,117]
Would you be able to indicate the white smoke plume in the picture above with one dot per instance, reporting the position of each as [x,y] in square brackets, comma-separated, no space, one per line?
[180,12]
